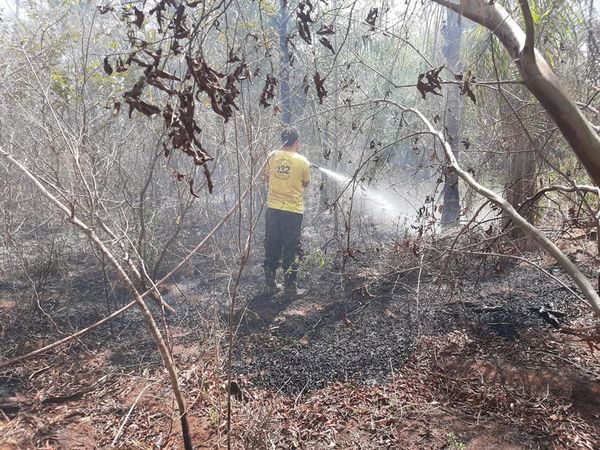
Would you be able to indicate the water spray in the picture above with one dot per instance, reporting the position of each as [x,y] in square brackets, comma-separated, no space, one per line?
[368,194]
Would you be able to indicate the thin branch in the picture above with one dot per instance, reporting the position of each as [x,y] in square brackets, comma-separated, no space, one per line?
[156,334]
[529,47]
[584,189]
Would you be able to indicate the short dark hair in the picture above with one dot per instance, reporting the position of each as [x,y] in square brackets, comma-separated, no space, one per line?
[289,136]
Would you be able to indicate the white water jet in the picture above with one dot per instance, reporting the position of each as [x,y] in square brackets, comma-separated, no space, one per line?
[374,198]
[336,176]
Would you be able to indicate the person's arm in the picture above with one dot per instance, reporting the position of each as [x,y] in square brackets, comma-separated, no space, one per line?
[306,175]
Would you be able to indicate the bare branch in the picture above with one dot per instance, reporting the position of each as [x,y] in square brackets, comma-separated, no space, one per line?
[528,48]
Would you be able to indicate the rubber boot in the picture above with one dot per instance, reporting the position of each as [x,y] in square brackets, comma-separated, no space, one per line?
[291,289]
[271,287]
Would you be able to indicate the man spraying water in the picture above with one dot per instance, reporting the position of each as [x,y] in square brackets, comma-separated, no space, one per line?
[288,173]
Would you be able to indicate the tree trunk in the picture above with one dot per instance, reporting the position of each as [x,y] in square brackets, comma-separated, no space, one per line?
[284,78]
[521,173]
[521,185]
[521,178]
[593,46]
[452,37]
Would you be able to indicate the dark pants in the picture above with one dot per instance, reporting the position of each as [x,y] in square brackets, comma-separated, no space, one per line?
[282,237]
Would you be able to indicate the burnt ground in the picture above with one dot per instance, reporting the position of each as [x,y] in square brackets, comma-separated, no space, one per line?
[334,335]
[384,358]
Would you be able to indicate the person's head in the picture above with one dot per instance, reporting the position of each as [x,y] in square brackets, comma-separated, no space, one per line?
[290,138]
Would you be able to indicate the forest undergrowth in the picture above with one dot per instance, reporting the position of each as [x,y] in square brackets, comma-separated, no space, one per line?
[451,225]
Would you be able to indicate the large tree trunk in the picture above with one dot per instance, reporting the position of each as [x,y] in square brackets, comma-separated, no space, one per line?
[520,181]
[452,37]
[537,76]
[521,184]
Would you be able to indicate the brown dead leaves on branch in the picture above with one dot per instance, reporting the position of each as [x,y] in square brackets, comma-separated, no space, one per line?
[174,75]
[197,78]
[430,82]
[372,17]
[468,79]
[268,92]
[303,20]
[320,86]
[222,98]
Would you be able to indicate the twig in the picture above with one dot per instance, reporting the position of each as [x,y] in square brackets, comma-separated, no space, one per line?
[126,418]
[527,261]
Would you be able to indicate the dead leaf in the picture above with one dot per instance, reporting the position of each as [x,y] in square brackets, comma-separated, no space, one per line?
[319,86]
[158,10]
[233,57]
[304,341]
[103,9]
[372,17]
[139,17]
[192,188]
[107,67]
[325,42]
[326,29]
[209,182]
[120,66]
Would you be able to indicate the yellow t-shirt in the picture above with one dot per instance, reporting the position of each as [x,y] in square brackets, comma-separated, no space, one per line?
[287,171]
